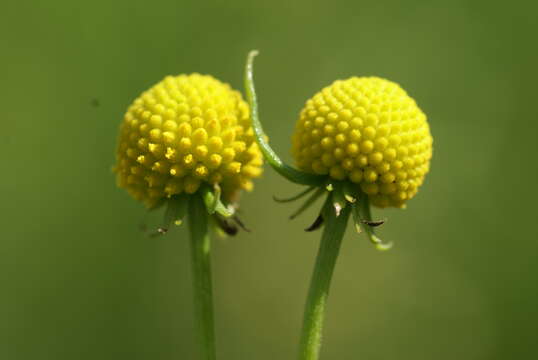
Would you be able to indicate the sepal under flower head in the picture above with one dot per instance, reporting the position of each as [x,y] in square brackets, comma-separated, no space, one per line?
[341,195]
[222,215]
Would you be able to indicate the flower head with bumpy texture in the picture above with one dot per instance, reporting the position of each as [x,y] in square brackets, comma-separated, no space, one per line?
[359,141]
[369,131]
[185,131]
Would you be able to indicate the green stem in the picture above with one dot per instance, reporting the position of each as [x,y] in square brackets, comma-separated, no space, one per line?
[201,273]
[316,302]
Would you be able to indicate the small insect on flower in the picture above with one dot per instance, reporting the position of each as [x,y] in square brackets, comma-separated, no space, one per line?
[188,134]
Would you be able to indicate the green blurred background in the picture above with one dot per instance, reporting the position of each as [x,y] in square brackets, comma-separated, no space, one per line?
[81,281]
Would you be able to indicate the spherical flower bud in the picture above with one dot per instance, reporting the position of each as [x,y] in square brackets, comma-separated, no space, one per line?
[184,131]
[369,131]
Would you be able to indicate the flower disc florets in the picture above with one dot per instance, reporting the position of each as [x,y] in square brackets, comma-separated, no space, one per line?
[367,130]
[184,131]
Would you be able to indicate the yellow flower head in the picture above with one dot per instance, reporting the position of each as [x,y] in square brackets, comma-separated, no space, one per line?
[367,130]
[184,131]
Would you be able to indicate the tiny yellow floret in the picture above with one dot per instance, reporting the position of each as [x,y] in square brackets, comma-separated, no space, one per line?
[367,130]
[184,131]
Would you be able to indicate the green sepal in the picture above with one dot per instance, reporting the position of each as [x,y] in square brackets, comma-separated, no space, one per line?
[295,197]
[350,192]
[176,209]
[318,222]
[356,218]
[311,199]
[362,208]
[338,199]
[327,210]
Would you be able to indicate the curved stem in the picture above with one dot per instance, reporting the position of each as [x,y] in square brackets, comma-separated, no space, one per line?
[316,302]
[270,156]
[201,273]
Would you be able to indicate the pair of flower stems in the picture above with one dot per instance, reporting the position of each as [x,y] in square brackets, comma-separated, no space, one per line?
[341,202]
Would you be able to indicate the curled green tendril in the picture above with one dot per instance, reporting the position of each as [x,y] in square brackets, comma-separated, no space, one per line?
[290,173]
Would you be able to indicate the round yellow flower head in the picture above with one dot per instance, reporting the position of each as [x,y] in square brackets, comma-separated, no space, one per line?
[367,130]
[184,131]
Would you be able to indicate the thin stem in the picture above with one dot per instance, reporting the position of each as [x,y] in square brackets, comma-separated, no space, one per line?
[316,302]
[201,272]
[270,156]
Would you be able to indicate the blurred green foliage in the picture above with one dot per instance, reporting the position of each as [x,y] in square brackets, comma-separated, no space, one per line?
[81,281]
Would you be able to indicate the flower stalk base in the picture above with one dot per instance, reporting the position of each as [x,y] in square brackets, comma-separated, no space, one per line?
[201,274]
[329,248]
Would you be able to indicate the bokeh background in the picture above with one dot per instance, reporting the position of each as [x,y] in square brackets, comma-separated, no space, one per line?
[79,280]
